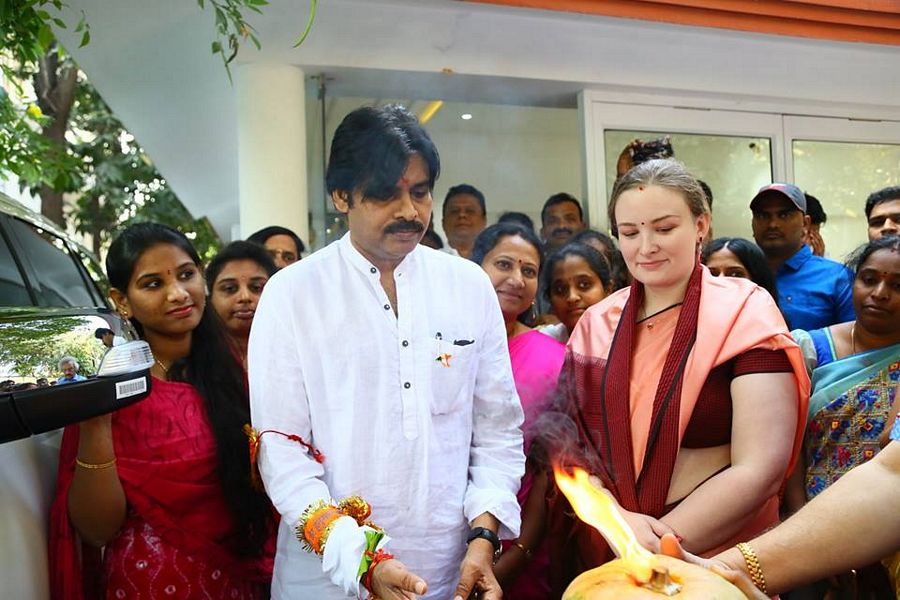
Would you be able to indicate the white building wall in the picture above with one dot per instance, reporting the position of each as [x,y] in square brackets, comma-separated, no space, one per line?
[151,61]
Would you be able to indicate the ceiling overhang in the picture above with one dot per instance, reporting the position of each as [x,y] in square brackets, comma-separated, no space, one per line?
[152,64]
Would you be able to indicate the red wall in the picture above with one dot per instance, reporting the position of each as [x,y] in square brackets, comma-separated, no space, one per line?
[870,21]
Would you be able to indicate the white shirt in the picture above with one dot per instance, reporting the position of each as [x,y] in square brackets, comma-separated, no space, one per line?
[429,447]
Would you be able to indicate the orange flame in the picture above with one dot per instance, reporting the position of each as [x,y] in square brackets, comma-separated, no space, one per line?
[597,509]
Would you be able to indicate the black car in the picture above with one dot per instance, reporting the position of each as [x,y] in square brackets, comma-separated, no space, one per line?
[65,356]
[56,328]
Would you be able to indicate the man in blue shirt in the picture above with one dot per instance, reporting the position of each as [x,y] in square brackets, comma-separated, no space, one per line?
[814,292]
[69,366]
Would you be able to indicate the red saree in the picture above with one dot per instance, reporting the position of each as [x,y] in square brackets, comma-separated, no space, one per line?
[177,540]
[632,444]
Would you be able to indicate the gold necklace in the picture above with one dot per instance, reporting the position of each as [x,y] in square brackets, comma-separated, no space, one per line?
[163,367]
[657,313]
[853,338]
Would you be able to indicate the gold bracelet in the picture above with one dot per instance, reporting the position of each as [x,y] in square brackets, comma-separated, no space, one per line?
[525,550]
[752,562]
[94,466]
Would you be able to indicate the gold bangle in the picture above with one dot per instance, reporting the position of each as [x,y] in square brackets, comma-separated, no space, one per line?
[752,562]
[525,550]
[94,466]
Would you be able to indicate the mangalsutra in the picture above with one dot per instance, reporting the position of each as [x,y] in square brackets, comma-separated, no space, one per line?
[163,367]
[853,338]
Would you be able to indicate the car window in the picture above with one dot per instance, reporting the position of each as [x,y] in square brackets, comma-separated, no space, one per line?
[12,287]
[95,272]
[58,275]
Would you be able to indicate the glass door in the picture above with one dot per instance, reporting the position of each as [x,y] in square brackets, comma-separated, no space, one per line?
[841,162]
[734,152]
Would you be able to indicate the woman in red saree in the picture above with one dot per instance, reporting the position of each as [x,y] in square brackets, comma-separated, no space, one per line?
[163,485]
[687,393]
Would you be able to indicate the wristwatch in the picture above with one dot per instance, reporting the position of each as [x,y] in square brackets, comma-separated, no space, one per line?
[487,534]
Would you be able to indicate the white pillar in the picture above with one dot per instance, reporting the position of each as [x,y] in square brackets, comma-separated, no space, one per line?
[271,106]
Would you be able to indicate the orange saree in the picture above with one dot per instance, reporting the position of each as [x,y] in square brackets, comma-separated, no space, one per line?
[632,397]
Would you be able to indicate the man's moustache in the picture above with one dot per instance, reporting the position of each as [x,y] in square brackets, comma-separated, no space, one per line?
[404,227]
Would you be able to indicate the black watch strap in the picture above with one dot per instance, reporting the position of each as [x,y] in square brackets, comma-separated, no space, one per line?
[486,534]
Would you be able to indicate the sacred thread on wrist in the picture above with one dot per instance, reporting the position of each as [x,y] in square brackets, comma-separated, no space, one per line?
[753,567]
[94,466]
[375,558]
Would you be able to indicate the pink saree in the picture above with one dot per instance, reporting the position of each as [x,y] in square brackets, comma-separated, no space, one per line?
[177,540]
[536,361]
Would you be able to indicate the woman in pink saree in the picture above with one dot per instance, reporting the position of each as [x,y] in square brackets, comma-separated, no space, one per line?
[511,256]
[163,485]
[687,393]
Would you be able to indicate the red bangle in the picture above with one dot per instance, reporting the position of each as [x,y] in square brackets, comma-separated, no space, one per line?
[377,557]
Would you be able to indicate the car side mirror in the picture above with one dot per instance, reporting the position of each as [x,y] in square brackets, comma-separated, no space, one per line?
[122,379]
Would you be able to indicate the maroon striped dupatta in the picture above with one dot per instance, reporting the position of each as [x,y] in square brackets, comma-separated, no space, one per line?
[595,386]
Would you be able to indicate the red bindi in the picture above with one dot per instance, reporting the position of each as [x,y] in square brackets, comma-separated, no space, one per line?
[640,188]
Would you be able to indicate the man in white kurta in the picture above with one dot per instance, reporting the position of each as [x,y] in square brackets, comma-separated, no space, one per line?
[398,372]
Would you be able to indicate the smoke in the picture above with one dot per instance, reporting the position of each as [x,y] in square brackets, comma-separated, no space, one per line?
[557,439]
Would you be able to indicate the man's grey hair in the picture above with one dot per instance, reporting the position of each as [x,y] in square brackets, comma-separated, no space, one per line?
[68,360]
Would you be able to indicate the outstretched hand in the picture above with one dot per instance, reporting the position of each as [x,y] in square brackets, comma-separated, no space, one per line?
[669,546]
[476,574]
[392,581]
[647,530]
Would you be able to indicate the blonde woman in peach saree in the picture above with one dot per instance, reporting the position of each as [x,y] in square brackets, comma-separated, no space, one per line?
[687,392]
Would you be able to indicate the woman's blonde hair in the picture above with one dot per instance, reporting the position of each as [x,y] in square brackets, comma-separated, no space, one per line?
[665,173]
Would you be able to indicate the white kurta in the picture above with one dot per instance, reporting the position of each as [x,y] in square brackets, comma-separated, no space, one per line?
[430,447]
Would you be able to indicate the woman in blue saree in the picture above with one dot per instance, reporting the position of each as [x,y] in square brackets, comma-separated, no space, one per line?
[855,370]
